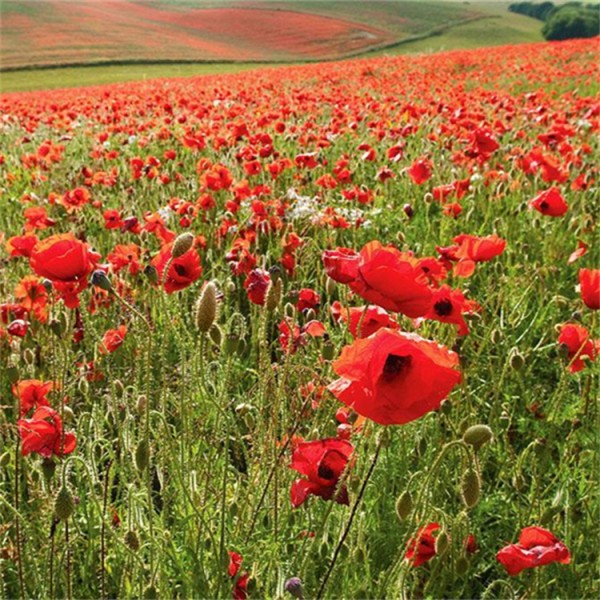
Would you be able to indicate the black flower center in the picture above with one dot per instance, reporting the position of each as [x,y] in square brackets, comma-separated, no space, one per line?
[180,270]
[394,365]
[443,308]
[325,472]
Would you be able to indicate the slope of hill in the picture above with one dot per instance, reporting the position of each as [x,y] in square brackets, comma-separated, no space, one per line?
[59,32]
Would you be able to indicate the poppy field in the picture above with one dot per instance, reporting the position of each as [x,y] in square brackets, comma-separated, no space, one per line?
[328,331]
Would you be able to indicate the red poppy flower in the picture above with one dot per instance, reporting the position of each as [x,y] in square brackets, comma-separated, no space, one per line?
[33,297]
[183,271]
[18,328]
[21,245]
[471,249]
[240,589]
[550,203]
[374,319]
[113,339]
[420,171]
[589,280]
[341,264]
[61,258]
[393,377]
[256,285]
[323,462]
[448,306]
[421,548]
[307,298]
[43,434]
[536,547]
[291,338]
[32,393]
[576,340]
[392,279]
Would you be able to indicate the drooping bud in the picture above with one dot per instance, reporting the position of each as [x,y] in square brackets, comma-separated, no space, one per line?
[64,504]
[151,273]
[310,314]
[442,542]
[516,359]
[141,404]
[182,244]
[205,311]
[216,334]
[477,436]
[404,505]
[100,280]
[470,487]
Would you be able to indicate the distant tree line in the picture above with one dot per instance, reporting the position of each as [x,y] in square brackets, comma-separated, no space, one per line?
[570,20]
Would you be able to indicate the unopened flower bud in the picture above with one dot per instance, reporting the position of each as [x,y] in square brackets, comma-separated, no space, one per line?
[408,210]
[132,540]
[442,542]
[477,436]
[100,280]
[330,286]
[205,311]
[289,310]
[215,334]
[328,350]
[64,504]
[141,404]
[310,314]
[470,488]
[182,244]
[142,455]
[274,294]
[151,273]
[29,356]
[516,359]
[404,505]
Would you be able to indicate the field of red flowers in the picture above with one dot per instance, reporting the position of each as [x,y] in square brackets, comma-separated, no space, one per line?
[321,331]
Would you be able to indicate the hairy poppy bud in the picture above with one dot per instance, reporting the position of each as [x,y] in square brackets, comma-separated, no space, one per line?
[29,356]
[231,343]
[215,334]
[328,350]
[205,311]
[330,286]
[119,388]
[516,359]
[404,505]
[63,504]
[141,404]
[289,310]
[100,280]
[5,459]
[132,540]
[462,565]
[477,436]
[142,455]
[47,285]
[408,210]
[470,488]
[151,273]
[442,542]
[182,244]
[310,314]
[294,587]
[274,294]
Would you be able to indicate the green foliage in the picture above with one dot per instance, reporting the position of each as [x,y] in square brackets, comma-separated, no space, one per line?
[572,21]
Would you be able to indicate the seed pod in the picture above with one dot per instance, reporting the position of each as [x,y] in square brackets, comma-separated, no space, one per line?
[132,540]
[404,505]
[477,436]
[274,294]
[142,455]
[182,244]
[63,504]
[470,488]
[206,308]
[442,542]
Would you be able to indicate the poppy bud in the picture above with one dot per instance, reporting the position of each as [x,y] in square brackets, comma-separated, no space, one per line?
[328,350]
[83,386]
[477,436]
[516,359]
[47,285]
[470,488]
[404,505]
[132,540]
[462,565]
[275,273]
[150,593]
[442,542]
[63,504]
[205,311]
[231,343]
[182,244]
[576,316]
[215,334]
[310,314]
[330,286]
[445,407]
[141,404]
[289,310]
[294,587]
[400,237]
[48,469]
[29,356]
[408,210]
[518,481]
[422,446]
[68,414]
[504,420]
[119,388]
[5,459]
[496,336]
[142,455]
[100,280]
[274,294]
[463,425]
[13,373]
[229,287]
